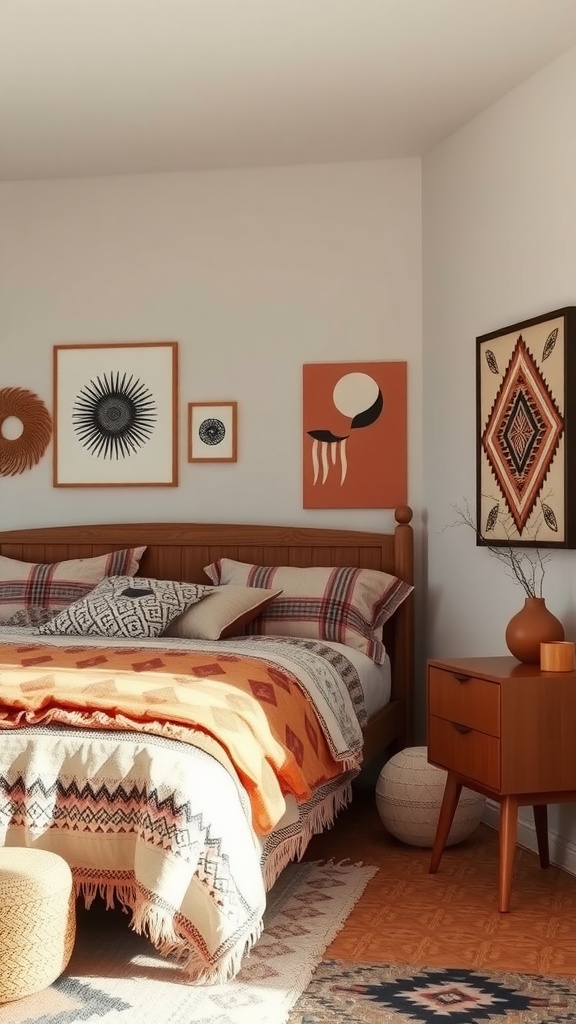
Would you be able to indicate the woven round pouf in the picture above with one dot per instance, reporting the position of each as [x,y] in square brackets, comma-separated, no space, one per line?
[409,792]
[37,920]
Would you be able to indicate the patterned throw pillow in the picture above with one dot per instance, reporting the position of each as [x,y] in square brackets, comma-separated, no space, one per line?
[125,606]
[339,604]
[30,617]
[223,612]
[53,586]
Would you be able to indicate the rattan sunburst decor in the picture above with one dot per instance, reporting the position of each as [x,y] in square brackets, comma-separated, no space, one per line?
[23,452]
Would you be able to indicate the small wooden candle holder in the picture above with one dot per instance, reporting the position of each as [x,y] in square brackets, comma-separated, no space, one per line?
[557,656]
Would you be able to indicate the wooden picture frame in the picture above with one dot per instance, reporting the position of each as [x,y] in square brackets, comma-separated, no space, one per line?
[116,415]
[212,431]
[526,451]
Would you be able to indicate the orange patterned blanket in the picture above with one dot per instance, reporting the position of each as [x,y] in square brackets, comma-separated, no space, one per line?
[256,712]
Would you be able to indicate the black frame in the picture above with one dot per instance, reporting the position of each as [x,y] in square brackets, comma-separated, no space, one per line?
[551,523]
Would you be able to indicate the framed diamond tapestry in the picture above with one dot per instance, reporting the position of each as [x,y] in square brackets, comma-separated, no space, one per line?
[116,415]
[526,462]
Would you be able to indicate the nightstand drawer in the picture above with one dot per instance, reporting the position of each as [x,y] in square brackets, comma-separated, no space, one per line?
[470,753]
[464,699]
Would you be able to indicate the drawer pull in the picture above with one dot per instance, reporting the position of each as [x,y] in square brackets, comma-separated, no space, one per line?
[462,729]
[461,679]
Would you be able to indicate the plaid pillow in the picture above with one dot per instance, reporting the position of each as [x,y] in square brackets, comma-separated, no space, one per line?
[53,586]
[340,604]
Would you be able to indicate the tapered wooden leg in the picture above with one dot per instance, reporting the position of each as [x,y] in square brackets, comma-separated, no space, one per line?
[452,791]
[541,823]
[508,829]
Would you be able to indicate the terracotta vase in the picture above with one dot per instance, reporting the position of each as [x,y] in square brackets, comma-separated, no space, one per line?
[532,625]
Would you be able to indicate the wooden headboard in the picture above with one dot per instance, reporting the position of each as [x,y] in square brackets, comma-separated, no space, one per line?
[181,550]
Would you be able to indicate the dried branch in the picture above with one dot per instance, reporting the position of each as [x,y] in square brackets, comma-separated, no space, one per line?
[525,566]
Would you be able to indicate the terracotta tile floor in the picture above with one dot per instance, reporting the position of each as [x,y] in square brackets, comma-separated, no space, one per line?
[449,919]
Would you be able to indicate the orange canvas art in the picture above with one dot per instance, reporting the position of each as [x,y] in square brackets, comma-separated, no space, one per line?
[355,435]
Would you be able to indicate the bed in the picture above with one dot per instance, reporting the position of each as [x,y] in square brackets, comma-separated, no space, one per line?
[170,817]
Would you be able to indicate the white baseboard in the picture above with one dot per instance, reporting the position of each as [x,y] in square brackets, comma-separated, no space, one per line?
[562,852]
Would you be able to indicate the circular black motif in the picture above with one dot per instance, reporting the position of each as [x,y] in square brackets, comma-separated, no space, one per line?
[114,415]
[212,431]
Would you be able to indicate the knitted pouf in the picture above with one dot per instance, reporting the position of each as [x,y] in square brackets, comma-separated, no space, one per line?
[409,792]
[37,920]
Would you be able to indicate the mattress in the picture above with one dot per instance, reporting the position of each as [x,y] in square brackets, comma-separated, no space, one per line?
[375,680]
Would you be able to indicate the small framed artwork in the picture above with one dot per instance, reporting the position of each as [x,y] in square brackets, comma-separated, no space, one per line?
[526,433]
[116,415]
[212,431]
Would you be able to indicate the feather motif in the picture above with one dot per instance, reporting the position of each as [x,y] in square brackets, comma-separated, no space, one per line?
[549,344]
[549,517]
[491,360]
[491,519]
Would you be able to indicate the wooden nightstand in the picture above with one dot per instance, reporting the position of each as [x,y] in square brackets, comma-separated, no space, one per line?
[506,730]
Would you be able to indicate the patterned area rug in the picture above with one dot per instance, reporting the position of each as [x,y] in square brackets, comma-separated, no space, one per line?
[344,993]
[116,977]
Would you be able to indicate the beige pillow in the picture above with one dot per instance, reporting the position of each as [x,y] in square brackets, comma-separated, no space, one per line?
[50,587]
[222,612]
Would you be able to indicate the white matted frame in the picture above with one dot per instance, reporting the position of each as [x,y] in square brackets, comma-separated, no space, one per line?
[212,431]
[116,415]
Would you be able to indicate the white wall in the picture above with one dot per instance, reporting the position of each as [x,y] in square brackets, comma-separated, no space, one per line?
[499,223]
[253,273]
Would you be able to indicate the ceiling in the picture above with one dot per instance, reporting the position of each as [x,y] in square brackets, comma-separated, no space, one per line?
[129,86]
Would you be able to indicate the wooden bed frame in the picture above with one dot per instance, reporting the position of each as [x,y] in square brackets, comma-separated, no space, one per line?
[179,551]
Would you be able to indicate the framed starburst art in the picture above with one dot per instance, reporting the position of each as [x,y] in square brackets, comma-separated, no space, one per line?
[526,463]
[116,415]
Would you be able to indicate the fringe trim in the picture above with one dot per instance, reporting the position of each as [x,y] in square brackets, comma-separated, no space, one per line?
[317,820]
[161,928]
[160,925]
[112,893]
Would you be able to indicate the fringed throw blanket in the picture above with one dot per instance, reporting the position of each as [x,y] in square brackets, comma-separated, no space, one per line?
[152,769]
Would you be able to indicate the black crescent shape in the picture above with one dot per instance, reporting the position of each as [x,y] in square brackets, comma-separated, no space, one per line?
[325,435]
[364,419]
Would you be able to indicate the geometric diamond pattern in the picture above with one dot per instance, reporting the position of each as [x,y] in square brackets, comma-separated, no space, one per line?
[124,606]
[311,733]
[350,993]
[522,434]
[264,692]
[455,995]
[295,745]
[115,976]
[179,694]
